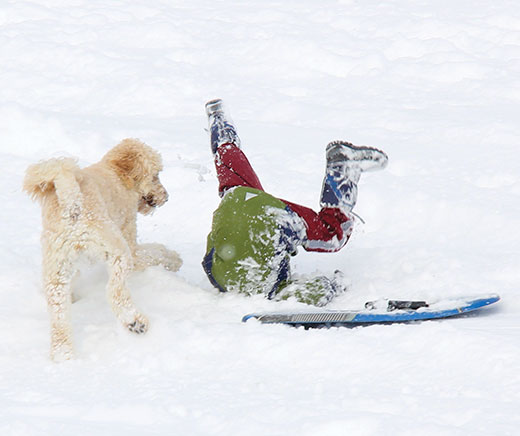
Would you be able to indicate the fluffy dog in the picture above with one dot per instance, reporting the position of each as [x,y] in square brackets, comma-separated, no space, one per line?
[93,210]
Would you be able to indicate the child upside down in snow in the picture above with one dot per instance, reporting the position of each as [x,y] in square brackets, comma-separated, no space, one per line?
[254,234]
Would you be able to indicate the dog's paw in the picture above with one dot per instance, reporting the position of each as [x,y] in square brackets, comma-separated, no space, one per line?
[156,254]
[139,325]
[172,261]
[62,353]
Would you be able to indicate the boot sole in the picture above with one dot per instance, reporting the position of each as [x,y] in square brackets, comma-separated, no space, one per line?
[214,106]
[367,158]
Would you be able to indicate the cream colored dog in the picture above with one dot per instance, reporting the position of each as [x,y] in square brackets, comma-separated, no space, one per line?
[94,210]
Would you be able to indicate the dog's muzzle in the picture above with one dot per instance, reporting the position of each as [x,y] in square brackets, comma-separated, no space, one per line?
[151,201]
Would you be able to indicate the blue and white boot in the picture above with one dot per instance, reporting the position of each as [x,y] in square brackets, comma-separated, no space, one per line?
[221,126]
[345,163]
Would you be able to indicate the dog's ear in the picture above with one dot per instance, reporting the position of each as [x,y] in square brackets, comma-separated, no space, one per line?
[132,159]
[128,168]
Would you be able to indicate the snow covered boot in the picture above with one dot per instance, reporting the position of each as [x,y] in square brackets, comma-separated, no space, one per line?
[345,163]
[221,127]
[316,291]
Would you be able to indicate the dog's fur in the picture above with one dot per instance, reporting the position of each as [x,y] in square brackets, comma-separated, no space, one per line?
[94,210]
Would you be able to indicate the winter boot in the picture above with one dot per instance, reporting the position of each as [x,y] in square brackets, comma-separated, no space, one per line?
[345,163]
[316,291]
[221,127]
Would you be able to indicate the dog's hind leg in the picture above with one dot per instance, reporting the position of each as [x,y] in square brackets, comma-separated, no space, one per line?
[57,277]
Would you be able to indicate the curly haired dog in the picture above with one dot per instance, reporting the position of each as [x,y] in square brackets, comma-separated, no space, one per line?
[93,210]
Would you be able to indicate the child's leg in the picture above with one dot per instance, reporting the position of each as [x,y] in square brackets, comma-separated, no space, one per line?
[330,229]
[233,169]
[327,231]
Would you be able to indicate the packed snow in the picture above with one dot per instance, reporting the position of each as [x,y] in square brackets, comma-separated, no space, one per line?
[434,84]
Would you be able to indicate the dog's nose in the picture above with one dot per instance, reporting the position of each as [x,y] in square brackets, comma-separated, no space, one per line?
[150,200]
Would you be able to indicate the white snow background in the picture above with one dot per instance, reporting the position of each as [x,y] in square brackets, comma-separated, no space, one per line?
[434,84]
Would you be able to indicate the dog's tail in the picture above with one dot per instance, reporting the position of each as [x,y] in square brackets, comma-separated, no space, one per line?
[56,176]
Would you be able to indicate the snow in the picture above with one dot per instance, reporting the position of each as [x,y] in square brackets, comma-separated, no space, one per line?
[434,84]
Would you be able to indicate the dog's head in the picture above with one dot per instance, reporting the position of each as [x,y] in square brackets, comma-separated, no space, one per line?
[138,166]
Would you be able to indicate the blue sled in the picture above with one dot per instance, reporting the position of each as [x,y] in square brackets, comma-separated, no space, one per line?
[327,318]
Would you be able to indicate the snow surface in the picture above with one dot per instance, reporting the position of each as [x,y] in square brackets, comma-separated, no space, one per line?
[434,84]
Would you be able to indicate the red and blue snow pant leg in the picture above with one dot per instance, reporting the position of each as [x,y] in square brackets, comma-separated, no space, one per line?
[234,169]
[326,231]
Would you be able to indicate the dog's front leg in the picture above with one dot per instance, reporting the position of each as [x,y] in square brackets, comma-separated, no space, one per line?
[156,254]
[57,279]
[145,255]
[120,265]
